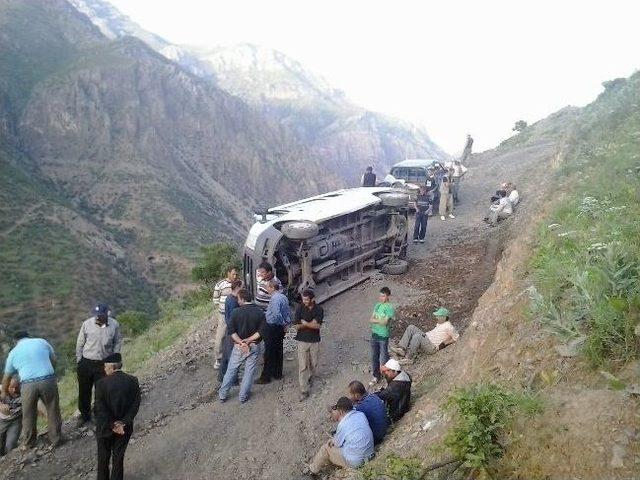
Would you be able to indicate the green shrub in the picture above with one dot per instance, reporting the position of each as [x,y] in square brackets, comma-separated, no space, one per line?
[197,297]
[215,261]
[393,467]
[483,413]
[586,268]
[133,323]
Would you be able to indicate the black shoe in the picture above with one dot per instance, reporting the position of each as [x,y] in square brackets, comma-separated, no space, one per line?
[263,381]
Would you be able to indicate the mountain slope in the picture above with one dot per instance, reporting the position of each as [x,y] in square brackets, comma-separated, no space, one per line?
[140,162]
[346,137]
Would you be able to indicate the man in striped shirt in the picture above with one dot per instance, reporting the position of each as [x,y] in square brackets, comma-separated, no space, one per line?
[220,292]
[264,275]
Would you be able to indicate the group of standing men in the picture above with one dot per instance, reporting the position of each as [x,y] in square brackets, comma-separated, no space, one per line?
[30,378]
[256,327]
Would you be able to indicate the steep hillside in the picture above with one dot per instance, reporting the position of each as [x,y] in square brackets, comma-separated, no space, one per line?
[559,323]
[140,162]
[345,136]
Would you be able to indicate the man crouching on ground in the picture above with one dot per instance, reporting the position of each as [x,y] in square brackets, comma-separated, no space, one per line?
[351,445]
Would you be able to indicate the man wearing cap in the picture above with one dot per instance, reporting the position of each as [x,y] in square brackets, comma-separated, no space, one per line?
[33,361]
[397,394]
[98,338]
[117,403]
[351,445]
[414,339]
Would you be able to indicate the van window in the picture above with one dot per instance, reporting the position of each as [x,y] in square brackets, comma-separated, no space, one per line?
[401,173]
[417,175]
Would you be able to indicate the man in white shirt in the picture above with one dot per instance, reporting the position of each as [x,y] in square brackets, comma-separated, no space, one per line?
[98,338]
[502,210]
[514,196]
[458,172]
[220,292]
[414,339]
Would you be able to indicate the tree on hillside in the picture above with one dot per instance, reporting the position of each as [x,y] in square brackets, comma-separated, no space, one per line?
[519,126]
[215,261]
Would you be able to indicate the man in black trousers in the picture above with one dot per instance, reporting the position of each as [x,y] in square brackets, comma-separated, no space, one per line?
[278,319]
[98,338]
[117,399]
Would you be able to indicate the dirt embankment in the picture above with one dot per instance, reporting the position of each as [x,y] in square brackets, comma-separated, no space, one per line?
[183,433]
[587,430]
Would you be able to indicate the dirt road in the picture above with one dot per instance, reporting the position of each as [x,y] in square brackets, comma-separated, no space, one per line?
[183,433]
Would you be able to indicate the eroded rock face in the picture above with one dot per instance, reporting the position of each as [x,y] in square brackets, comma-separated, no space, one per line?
[112,153]
[345,136]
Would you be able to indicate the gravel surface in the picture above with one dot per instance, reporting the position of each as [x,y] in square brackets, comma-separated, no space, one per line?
[183,433]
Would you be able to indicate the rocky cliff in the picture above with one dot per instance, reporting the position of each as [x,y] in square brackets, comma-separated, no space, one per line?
[117,164]
[343,135]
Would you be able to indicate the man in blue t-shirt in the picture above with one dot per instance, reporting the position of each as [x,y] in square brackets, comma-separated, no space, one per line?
[373,408]
[33,360]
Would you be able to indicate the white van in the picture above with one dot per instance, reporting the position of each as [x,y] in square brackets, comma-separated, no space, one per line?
[330,242]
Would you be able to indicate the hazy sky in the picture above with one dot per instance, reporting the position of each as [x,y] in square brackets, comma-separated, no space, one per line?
[450,66]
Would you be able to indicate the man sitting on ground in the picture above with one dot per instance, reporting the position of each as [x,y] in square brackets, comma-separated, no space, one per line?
[514,196]
[351,445]
[414,339]
[397,395]
[373,408]
[503,209]
[10,417]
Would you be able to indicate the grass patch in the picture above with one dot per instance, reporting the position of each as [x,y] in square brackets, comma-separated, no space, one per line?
[174,322]
[586,266]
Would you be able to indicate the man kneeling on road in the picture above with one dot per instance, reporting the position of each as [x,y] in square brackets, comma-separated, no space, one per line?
[351,445]
[414,339]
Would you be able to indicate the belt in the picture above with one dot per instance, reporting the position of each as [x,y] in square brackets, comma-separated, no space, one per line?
[92,360]
[38,379]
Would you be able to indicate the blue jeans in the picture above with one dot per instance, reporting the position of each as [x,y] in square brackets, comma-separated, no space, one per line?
[379,355]
[420,229]
[250,362]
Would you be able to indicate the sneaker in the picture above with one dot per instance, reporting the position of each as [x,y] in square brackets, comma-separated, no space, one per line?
[216,366]
[421,241]
[415,240]
[222,400]
[442,217]
[398,351]
[451,215]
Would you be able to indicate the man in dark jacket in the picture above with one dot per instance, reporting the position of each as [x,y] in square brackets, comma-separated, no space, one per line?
[369,178]
[397,395]
[248,324]
[117,400]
